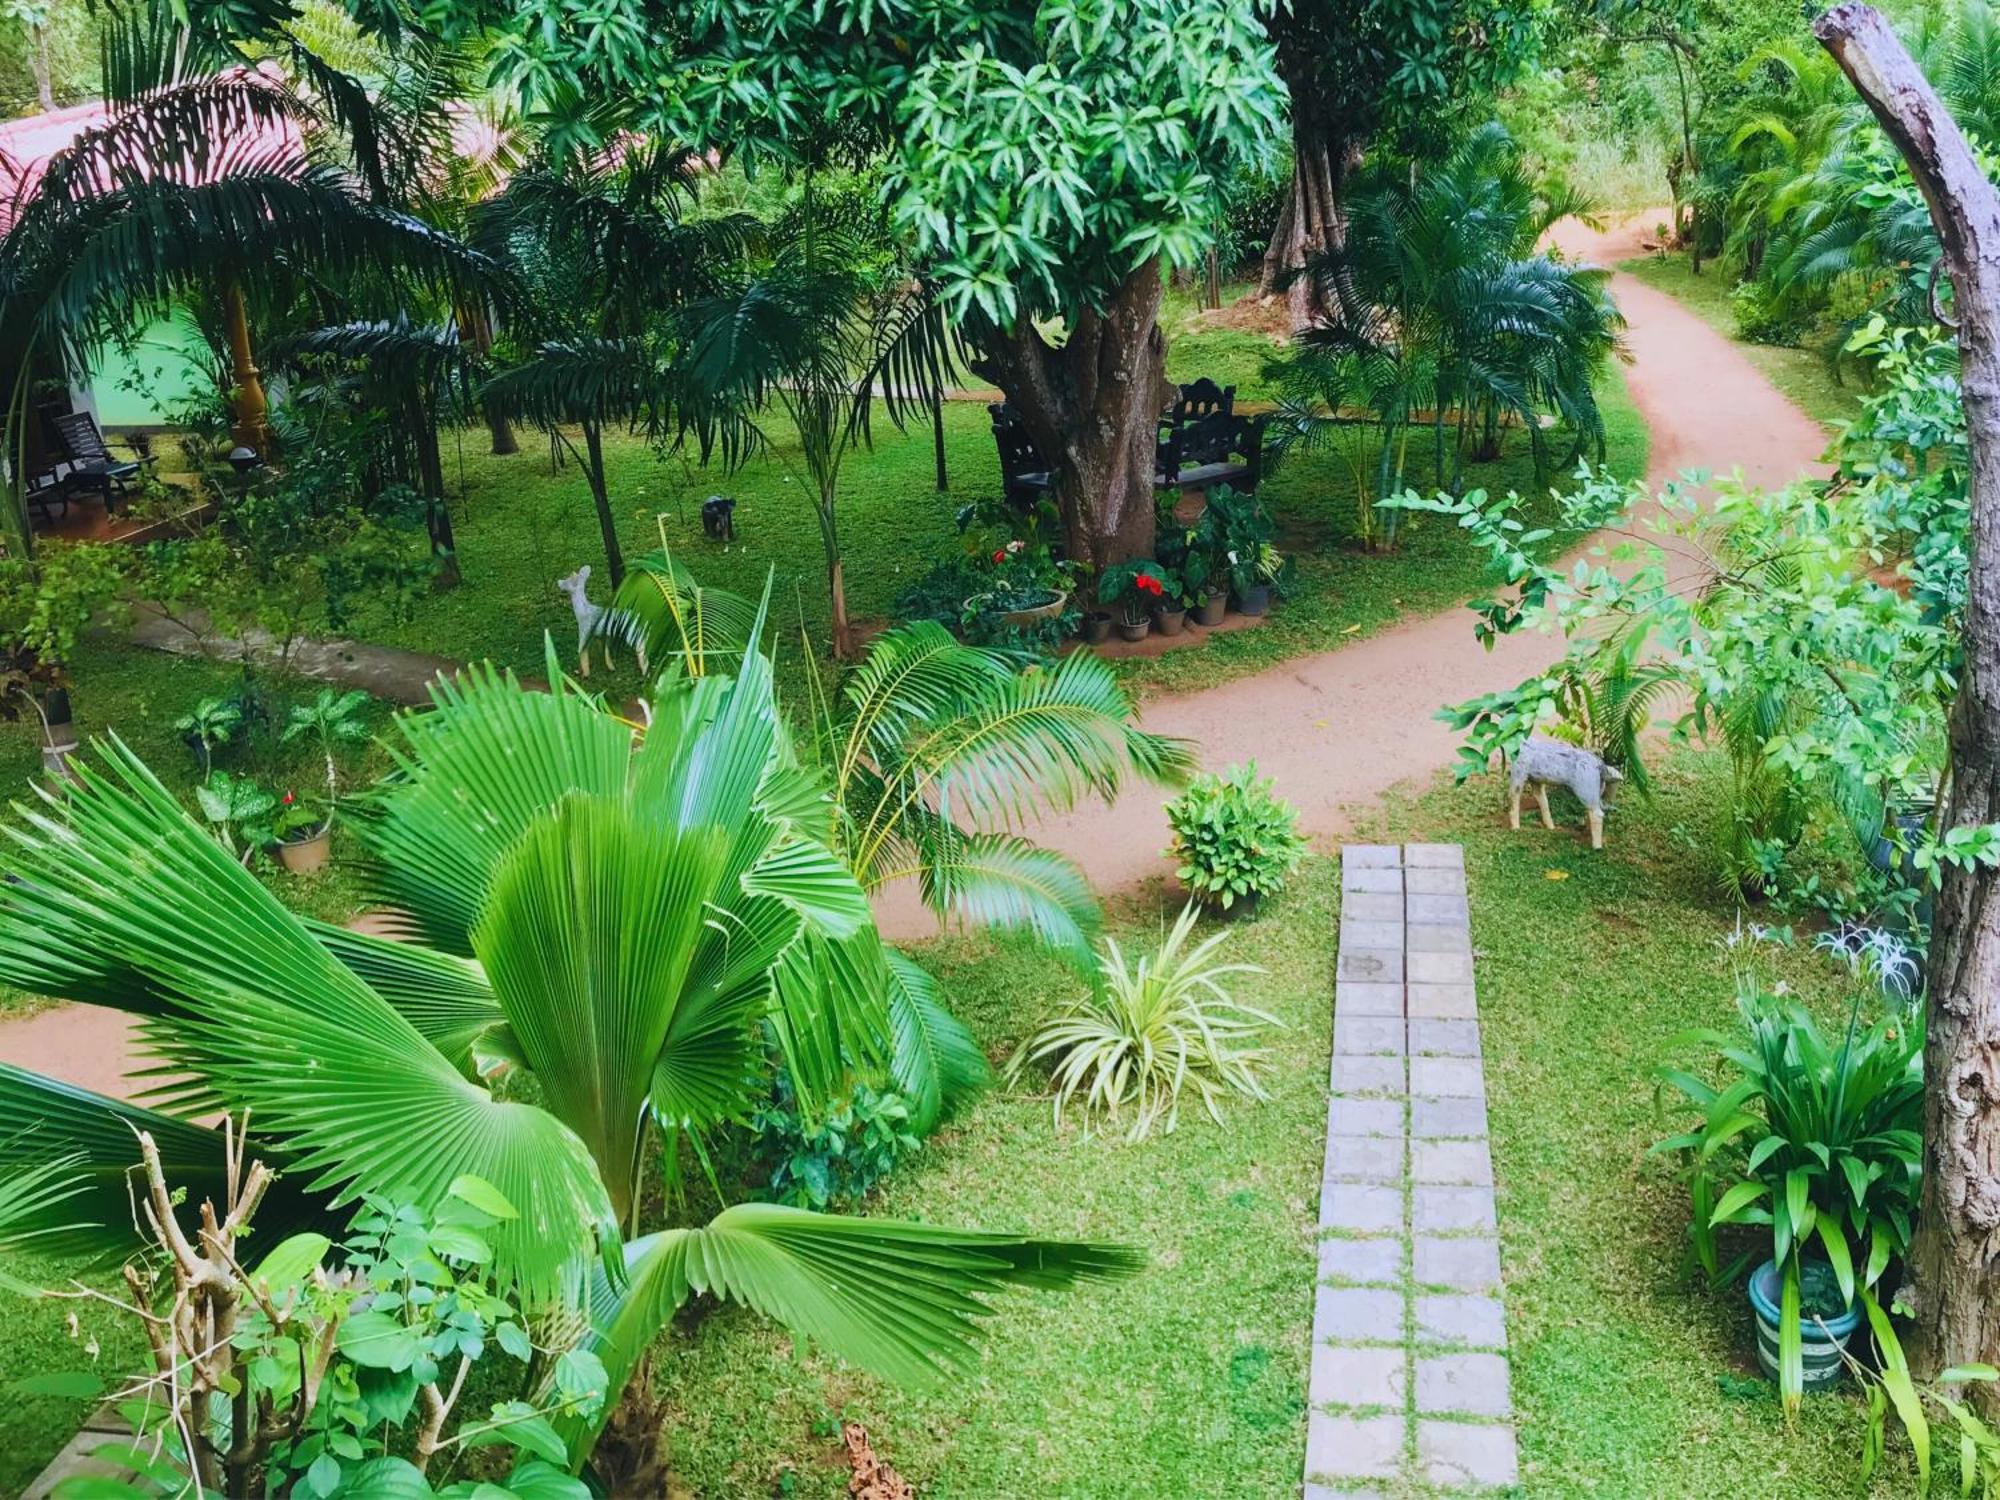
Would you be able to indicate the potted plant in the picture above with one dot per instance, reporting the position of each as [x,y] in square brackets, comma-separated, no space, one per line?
[1187,553]
[305,833]
[1170,611]
[1096,627]
[46,602]
[1818,1138]
[1133,588]
[238,811]
[1235,839]
[1242,534]
[209,725]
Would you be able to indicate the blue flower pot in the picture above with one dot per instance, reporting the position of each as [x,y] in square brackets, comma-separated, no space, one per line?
[1822,1340]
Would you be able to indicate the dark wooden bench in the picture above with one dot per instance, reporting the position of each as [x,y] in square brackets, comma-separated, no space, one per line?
[92,467]
[1203,443]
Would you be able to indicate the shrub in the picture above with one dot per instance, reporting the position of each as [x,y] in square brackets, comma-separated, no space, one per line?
[1150,1030]
[836,1159]
[1234,839]
[1819,1138]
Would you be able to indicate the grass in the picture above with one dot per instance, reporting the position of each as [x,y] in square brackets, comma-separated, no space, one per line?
[1186,1380]
[1803,375]
[1190,1379]
[1629,1379]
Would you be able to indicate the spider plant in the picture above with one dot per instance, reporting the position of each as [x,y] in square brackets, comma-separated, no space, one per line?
[1151,1030]
[1817,1137]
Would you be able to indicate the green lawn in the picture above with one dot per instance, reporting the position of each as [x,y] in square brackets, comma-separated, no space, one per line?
[1190,1380]
[1802,374]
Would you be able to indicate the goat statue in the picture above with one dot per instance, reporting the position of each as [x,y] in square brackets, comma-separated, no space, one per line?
[1543,762]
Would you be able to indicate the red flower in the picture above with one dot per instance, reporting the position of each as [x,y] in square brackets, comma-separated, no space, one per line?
[1147,583]
[1001,555]
[288,799]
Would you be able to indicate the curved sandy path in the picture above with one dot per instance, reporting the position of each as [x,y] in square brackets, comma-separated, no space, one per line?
[1336,729]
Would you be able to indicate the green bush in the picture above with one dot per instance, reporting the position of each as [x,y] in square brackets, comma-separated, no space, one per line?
[1235,840]
[837,1158]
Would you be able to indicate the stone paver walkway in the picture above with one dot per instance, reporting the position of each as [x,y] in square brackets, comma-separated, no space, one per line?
[1409,1367]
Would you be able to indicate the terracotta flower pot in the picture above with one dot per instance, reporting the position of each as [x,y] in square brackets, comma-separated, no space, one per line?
[1213,608]
[1096,628]
[304,853]
[1170,621]
[1133,630]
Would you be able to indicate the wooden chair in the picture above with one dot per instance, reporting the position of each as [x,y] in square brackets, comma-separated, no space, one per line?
[1219,448]
[1204,398]
[92,467]
[1024,473]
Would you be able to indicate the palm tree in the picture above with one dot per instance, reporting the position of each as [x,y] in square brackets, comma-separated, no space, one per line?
[198,182]
[935,753]
[610,254]
[1439,299]
[615,916]
[820,333]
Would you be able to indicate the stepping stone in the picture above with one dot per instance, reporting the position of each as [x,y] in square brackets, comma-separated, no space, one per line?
[1442,1002]
[1464,1265]
[1367,880]
[1361,1208]
[1362,1036]
[1370,1075]
[1431,1119]
[1375,965]
[1343,1375]
[1447,1078]
[1439,968]
[1363,856]
[1321,1492]
[1427,908]
[1454,1318]
[1458,1163]
[1382,1117]
[1363,998]
[1444,1038]
[1372,906]
[1364,1158]
[1473,1384]
[1452,1210]
[1467,1453]
[1365,1262]
[1434,856]
[1438,937]
[1358,1315]
[1356,932]
[1434,882]
[1354,1447]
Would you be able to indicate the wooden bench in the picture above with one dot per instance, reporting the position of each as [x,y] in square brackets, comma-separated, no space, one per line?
[1203,443]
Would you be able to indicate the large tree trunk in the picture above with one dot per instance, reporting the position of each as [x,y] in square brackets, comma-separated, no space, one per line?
[1093,409]
[1957,1294]
[1311,220]
[475,328]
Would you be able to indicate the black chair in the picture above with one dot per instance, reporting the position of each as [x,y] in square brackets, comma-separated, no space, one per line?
[1204,398]
[1024,473]
[92,467]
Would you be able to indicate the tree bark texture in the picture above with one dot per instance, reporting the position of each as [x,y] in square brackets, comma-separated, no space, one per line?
[1311,219]
[1957,1295]
[1093,408]
[600,495]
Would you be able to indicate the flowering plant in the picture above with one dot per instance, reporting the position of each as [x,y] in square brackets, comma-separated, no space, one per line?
[1139,585]
[295,816]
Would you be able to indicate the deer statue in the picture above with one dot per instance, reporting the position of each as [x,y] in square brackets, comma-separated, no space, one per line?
[596,623]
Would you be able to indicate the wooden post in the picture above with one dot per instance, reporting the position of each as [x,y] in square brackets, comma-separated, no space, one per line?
[248,429]
[1956,1293]
[937,439]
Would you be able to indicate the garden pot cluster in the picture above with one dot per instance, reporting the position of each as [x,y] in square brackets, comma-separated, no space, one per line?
[1099,625]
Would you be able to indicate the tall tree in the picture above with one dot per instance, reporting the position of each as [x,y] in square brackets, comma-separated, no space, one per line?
[1043,161]
[1356,71]
[1957,1292]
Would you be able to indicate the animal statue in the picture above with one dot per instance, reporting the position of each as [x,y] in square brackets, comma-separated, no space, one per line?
[596,623]
[718,517]
[1542,763]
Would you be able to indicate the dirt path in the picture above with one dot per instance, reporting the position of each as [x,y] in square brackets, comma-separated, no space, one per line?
[1335,730]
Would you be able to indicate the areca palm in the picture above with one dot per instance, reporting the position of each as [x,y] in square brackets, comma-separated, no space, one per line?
[1439,299]
[617,916]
